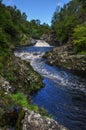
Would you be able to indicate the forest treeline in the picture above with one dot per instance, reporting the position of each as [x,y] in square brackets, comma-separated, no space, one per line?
[68,24]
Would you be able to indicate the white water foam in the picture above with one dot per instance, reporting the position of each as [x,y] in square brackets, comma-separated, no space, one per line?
[42,43]
[39,65]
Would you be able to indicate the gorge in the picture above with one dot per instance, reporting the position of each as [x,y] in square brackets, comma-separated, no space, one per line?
[63,94]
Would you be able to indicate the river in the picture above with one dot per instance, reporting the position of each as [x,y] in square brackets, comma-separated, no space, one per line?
[63,94]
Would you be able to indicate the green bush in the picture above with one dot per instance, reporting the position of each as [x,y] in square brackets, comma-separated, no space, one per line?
[3,39]
[19,99]
[79,37]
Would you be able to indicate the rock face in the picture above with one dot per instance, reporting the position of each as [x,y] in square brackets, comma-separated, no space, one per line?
[34,121]
[63,56]
[20,75]
[51,38]
[32,41]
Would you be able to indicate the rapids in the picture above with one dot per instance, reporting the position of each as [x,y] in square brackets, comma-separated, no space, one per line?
[63,95]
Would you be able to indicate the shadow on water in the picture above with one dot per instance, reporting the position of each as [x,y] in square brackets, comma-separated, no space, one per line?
[64,95]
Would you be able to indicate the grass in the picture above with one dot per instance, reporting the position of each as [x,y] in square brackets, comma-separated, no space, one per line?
[20,99]
[16,100]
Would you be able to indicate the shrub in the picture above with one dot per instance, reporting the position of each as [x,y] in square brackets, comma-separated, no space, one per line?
[79,37]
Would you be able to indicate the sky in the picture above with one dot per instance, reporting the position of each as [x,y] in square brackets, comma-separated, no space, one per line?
[37,9]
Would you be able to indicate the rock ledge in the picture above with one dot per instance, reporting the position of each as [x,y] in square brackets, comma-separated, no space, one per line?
[34,121]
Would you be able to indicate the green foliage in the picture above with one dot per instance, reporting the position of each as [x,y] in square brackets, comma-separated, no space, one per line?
[37,29]
[19,99]
[4,47]
[82,52]
[24,16]
[20,117]
[15,30]
[15,100]
[3,40]
[67,18]
[79,36]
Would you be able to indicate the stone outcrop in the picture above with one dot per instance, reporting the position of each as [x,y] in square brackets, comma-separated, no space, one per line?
[17,118]
[63,56]
[51,38]
[32,41]
[19,75]
[34,121]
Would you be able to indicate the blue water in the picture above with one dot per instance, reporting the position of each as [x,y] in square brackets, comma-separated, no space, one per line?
[63,94]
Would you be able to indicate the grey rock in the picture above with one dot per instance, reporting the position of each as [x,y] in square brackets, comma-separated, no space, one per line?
[5,85]
[33,41]
[63,56]
[51,38]
[34,121]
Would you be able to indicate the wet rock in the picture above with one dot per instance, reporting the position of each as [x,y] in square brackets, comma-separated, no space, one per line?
[33,41]
[34,121]
[63,56]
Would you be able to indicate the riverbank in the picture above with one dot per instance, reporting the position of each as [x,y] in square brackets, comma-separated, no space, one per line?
[63,92]
[64,57]
[18,81]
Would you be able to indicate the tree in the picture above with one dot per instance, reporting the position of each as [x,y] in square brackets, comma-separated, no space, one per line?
[0,2]
[83,3]
[69,16]
[38,22]
[79,37]
[24,16]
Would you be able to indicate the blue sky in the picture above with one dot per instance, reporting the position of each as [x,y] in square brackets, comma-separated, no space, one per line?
[37,9]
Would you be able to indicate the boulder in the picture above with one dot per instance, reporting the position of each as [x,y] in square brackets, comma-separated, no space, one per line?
[51,38]
[34,121]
